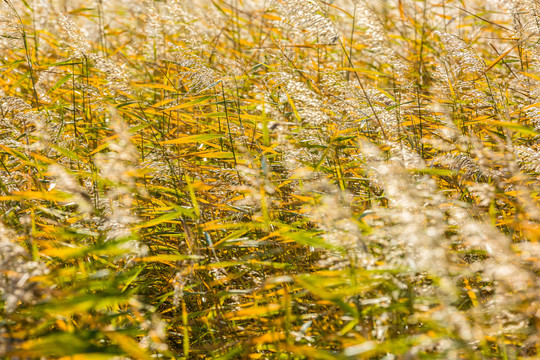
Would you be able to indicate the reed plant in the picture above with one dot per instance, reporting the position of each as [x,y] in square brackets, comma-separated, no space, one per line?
[269,179]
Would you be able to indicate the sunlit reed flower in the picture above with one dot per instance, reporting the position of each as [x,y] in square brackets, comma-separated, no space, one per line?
[11,29]
[194,71]
[16,272]
[117,78]
[304,18]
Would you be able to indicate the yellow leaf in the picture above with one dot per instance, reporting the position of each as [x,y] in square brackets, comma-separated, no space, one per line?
[253,312]
[192,139]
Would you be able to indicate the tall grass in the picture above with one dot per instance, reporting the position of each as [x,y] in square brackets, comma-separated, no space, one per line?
[274,179]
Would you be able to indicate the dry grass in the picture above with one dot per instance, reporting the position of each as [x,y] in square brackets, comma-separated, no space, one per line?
[274,179]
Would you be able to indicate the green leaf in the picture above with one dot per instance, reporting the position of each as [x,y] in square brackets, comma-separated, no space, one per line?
[513,126]
[59,344]
[179,212]
[68,153]
[59,83]
[189,104]
[309,239]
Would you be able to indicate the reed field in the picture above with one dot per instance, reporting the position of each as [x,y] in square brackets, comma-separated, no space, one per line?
[269,179]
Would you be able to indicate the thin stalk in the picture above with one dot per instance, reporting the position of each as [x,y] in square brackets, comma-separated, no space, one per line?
[370,104]
[28,58]
[229,131]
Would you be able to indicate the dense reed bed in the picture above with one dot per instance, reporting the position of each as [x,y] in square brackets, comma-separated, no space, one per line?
[269,179]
